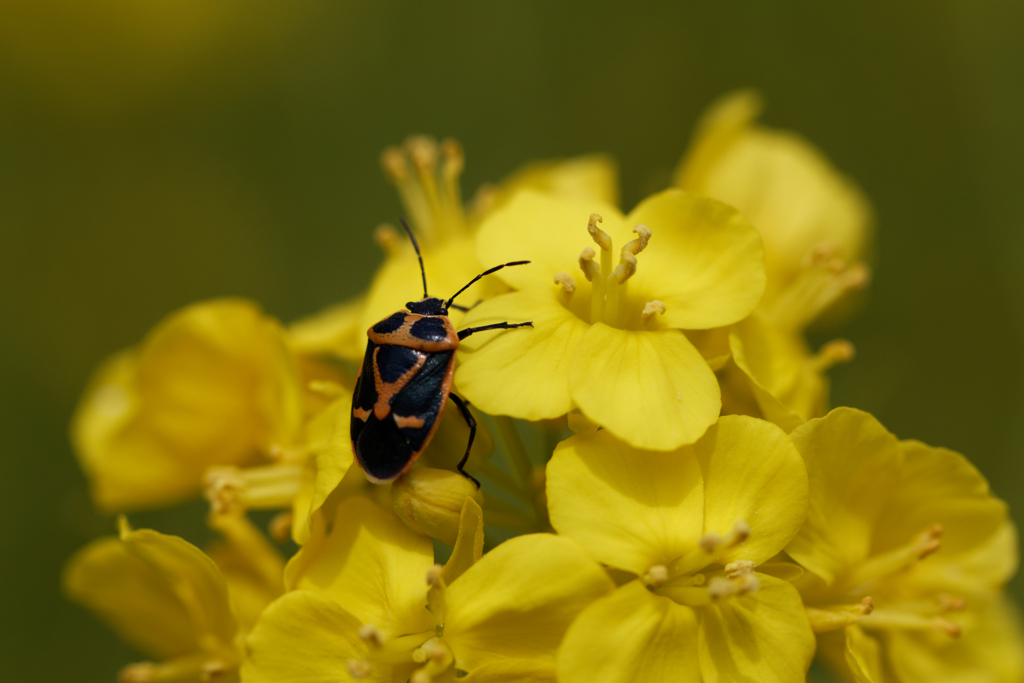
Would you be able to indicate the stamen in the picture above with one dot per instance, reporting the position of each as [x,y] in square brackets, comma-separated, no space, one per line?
[372,636]
[214,669]
[436,657]
[326,388]
[396,168]
[893,561]
[823,280]
[359,668]
[739,568]
[590,269]
[143,672]
[832,353]
[831,617]
[430,189]
[268,487]
[451,170]
[387,238]
[710,546]
[568,286]
[280,526]
[436,593]
[651,308]
[655,576]
[599,236]
[909,621]
[626,268]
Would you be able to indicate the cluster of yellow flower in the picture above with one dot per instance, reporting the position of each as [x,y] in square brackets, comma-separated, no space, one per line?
[674,502]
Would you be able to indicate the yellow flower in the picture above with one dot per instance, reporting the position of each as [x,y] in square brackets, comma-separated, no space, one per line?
[169,600]
[787,188]
[815,225]
[358,604]
[686,531]
[608,339]
[213,384]
[907,550]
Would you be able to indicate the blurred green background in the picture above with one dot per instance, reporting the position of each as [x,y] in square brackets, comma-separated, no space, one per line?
[155,153]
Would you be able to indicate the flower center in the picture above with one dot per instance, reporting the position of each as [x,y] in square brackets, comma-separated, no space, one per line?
[682,581]
[921,614]
[609,284]
[822,281]
[426,176]
[427,649]
[232,489]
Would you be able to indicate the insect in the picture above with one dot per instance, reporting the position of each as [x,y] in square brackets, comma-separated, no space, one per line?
[405,381]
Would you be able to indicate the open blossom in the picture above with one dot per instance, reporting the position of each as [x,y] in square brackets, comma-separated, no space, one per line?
[815,225]
[213,384]
[367,602]
[174,603]
[906,552]
[606,326]
[689,530]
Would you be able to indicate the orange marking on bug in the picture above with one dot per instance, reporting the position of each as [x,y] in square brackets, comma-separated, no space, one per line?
[403,335]
[387,391]
[361,414]
[407,422]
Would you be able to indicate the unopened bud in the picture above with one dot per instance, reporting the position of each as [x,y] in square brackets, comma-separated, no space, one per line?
[430,501]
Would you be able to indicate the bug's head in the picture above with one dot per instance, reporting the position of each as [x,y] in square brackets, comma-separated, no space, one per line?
[427,306]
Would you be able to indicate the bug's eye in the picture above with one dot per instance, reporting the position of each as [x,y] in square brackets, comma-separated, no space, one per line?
[409,305]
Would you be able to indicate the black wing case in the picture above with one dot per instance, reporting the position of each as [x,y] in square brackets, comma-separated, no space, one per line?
[384,449]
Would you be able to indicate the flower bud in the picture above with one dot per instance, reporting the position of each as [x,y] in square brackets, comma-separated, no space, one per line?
[430,501]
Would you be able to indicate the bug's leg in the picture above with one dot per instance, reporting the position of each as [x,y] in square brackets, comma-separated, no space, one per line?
[496,326]
[466,309]
[471,421]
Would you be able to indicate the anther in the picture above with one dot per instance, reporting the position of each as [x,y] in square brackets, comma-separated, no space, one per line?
[454,158]
[142,672]
[739,568]
[832,353]
[946,626]
[214,669]
[643,236]
[326,388]
[266,487]
[599,236]
[951,603]
[567,283]
[371,635]
[280,526]
[590,269]
[867,605]
[651,308]
[423,152]
[435,576]
[359,668]
[656,575]
[387,238]
[886,564]
[395,166]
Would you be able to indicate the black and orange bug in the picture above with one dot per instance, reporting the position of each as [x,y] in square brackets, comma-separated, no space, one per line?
[405,381]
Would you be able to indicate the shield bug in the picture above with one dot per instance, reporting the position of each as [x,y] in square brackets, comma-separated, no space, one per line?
[405,382]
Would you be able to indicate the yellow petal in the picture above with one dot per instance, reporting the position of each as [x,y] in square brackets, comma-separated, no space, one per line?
[705,261]
[194,578]
[372,564]
[305,637]
[754,474]
[132,597]
[762,637]
[863,656]
[651,389]
[517,601]
[631,636]
[331,457]
[630,509]
[213,384]
[991,650]
[783,184]
[469,546]
[512,671]
[335,331]
[524,372]
[547,231]
[853,466]
[593,177]
[939,486]
[787,386]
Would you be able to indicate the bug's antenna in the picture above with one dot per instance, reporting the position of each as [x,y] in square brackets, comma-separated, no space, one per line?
[418,255]
[495,269]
